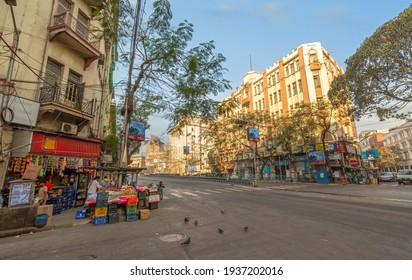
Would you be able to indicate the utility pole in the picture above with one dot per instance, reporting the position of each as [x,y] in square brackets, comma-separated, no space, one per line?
[6,94]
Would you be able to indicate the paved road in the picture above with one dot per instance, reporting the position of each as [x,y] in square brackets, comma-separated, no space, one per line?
[284,222]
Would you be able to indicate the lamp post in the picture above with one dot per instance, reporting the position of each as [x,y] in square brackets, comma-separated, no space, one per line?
[255,165]
[270,157]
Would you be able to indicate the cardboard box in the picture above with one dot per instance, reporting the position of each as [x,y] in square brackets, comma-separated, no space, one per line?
[144,214]
[46,209]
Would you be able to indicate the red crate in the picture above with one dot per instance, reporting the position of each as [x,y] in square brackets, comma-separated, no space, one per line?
[132,201]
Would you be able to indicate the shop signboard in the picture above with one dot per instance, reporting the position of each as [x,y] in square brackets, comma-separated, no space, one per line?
[354,162]
[31,172]
[296,149]
[334,156]
[21,193]
[136,131]
[316,158]
[340,148]
[253,134]
[329,147]
[299,158]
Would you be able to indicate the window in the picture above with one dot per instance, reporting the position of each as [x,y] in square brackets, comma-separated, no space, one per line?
[73,85]
[313,56]
[289,91]
[277,76]
[280,96]
[260,105]
[292,68]
[271,99]
[297,65]
[263,104]
[274,79]
[281,112]
[316,81]
[275,98]
[63,6]
[53,74]
[287,70]
[82,25]
[295,89]
[300,86]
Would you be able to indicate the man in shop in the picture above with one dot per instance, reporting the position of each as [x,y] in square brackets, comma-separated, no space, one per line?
[43,193]
[93,188]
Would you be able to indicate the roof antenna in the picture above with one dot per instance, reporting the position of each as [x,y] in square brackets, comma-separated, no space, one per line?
[250,59]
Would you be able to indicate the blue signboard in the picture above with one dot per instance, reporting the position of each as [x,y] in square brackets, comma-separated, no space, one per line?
[253,134]
[186,150]
[136,131]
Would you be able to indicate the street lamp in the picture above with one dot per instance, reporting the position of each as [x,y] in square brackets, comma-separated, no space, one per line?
[270,145]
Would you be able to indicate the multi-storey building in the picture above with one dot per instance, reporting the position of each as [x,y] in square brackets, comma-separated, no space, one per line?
[194,159]
[59,86]
[157,156]
[401,138]
[301,77]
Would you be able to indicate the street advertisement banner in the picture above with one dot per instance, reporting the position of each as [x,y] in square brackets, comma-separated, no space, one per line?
[316,158]
[21,193]
[136,131]
[185,150]
[253,134]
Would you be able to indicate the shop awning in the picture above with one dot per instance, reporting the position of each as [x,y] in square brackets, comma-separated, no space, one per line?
[64,146]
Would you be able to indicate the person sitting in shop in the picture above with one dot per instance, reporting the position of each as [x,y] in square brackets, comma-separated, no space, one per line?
[104,183]
[93,188]
[43,193]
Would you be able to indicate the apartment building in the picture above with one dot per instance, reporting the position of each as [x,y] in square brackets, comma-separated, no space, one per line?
[189,148]
[301,77]
[157,156]
[60,84]
[401,137]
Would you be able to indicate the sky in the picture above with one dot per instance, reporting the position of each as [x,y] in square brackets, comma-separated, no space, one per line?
[258,32]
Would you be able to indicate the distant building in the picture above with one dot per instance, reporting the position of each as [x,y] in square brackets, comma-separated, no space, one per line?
[138,161]
[157,157]
[371,139]
[401,137]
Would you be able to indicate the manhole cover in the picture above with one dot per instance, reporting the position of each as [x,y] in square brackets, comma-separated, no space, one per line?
[173,237]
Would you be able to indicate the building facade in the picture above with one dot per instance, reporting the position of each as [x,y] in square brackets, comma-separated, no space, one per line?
[157,156]
[301,77]
[192,160]
[401,138]
[59,87]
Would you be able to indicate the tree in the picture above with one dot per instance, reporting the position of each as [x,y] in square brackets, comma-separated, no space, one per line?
[164,74]
[379,74]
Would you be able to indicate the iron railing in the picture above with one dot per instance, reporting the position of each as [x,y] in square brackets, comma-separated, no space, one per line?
[60,95]
[76,26]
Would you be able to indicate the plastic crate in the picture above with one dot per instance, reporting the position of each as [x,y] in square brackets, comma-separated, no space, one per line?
[112,208]
[99,212]
[114,218]
[81,214]
[41,220]
[131,217]
[153,205]
[132,201]
[100,220]
[131,209]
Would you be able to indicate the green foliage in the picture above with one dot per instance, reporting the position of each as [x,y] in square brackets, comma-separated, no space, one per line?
[379,74]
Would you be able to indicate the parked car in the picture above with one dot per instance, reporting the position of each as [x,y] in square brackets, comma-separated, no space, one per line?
[387,177]
[404,176]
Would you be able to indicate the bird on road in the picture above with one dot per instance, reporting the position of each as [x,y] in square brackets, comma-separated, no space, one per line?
[245,228]
[223,211]
[196,222]
[186,242]
[220,230]
[186,219]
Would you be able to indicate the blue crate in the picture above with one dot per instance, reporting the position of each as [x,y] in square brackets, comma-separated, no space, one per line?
[99,220]
[81,214]
[41,220]
[131,217]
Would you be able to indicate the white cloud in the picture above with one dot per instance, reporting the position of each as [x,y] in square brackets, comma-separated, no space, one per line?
[335,14]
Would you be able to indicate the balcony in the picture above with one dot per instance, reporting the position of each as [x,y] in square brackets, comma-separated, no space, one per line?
[62,100]
[74,34]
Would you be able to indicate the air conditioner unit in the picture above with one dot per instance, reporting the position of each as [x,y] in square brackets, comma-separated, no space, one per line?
[69,128]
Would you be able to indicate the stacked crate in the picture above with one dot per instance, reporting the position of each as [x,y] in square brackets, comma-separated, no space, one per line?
[131,209]
[113,215]
[69,194]
[100,212]
[153,198]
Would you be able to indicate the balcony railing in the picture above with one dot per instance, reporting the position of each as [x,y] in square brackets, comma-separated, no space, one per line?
[65,97]
[66,19]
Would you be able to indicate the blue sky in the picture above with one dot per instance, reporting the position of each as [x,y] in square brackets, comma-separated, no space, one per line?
[267,30]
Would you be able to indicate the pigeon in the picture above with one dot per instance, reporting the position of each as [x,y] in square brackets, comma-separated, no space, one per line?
[245,228]
[196,222]
[186,242]
[223,211]
[186,219]
[220,230]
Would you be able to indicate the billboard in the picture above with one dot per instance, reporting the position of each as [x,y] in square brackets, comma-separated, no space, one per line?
[136,131]
[186,150]
[253,134]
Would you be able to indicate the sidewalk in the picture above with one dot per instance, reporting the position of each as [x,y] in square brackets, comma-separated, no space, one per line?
[65,220]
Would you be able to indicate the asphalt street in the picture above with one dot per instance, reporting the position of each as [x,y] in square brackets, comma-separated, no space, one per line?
[296,221]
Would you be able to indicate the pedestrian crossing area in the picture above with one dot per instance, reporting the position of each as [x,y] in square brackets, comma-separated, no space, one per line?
[172,193]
